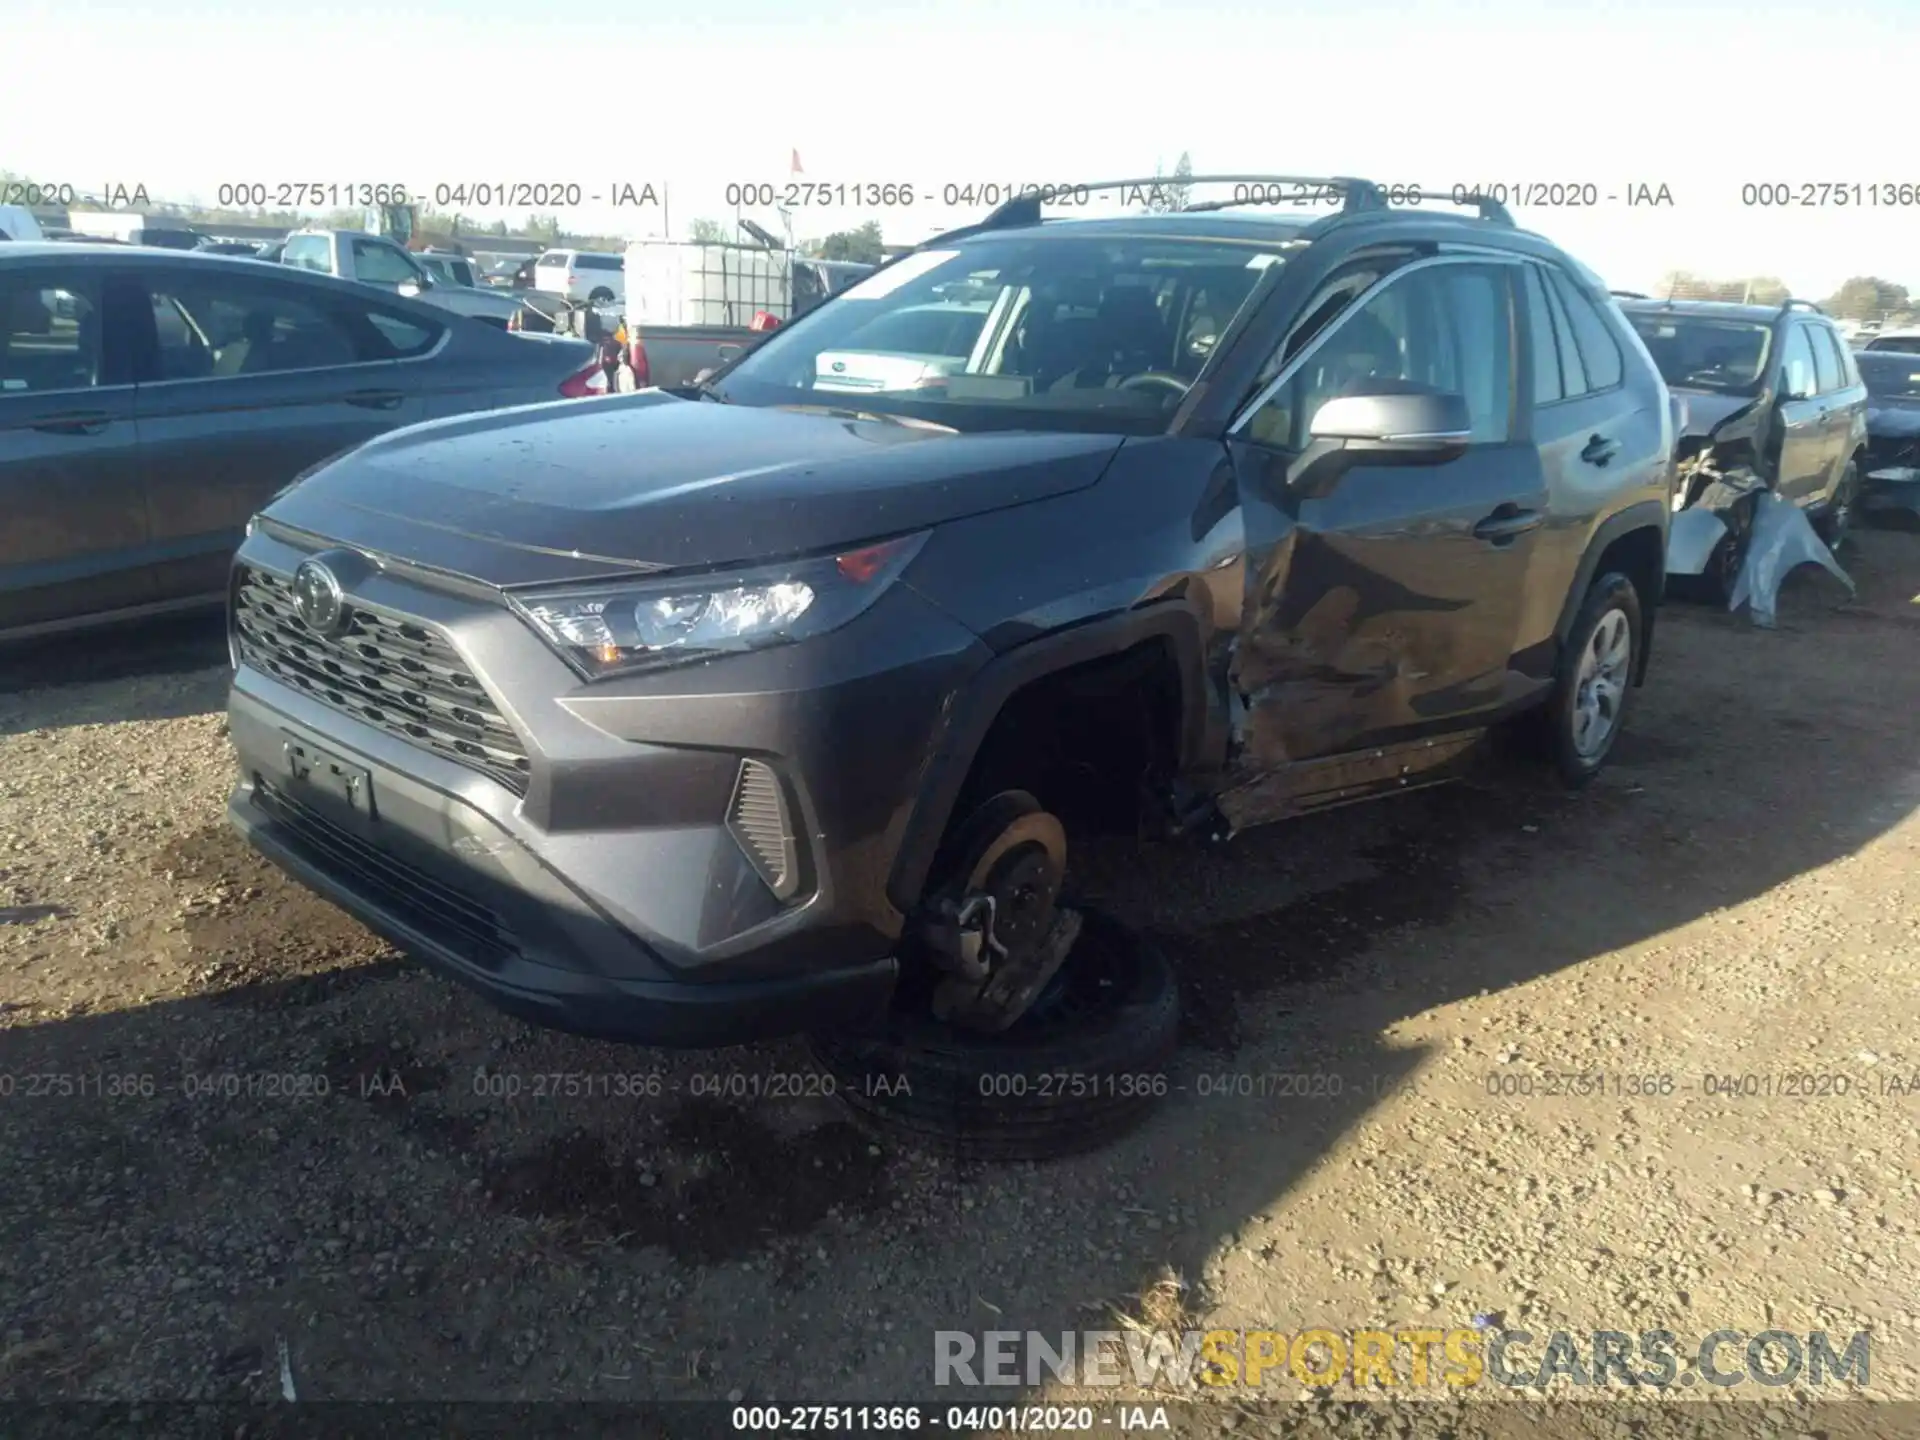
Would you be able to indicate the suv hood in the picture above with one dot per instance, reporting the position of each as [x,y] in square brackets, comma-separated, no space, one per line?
[1706,409]
[583,489]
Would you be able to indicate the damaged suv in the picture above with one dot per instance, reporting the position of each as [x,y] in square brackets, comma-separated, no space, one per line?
[769,705]
[1774,401]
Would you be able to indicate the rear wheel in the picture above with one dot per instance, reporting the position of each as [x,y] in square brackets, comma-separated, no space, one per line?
[1588,707]
[1836,521]
[601,295]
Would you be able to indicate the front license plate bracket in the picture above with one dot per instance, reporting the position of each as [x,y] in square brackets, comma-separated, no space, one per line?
[310,765]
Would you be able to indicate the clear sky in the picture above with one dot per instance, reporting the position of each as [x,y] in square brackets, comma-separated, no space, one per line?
[1699,95]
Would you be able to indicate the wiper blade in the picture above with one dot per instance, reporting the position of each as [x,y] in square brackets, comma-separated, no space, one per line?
[912,422]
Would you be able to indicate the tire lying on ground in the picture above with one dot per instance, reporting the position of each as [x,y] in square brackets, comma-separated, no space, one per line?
[1085,1064]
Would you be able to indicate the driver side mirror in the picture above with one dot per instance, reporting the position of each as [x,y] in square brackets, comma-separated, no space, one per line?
[1391,422]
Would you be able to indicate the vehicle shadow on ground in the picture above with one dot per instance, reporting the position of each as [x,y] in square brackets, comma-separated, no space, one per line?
[475,1209]
[177,667]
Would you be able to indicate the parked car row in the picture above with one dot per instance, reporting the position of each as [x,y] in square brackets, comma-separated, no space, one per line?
[152,400]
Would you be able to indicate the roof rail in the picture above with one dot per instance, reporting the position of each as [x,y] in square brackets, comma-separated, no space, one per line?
[1491,210]
[1024,210]
[1790,303]
[1628,295]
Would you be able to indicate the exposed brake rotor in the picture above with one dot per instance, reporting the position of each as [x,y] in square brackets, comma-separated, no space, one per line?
[999,931]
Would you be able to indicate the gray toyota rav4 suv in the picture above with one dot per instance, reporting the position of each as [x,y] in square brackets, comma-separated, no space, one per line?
[769,705]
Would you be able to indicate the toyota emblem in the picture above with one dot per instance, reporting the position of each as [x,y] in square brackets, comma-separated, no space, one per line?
[317,599]
[839,366]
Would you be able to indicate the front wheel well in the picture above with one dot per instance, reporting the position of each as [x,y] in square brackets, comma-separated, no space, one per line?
[1086,741]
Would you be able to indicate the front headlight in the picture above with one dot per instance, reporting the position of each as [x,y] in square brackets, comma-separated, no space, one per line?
[646,624]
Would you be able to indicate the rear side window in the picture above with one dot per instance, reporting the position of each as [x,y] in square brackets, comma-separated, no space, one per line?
[1849,365]
[407,336]
[210,327]
[551,259]
[1546,352]
[1798,367]
[1829,359]
[1573,374]
[1599,355]
[49,333]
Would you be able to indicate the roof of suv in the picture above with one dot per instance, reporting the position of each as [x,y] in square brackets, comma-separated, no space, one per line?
[1721,309]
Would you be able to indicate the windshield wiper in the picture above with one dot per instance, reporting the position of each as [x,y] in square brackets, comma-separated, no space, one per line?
[912,422]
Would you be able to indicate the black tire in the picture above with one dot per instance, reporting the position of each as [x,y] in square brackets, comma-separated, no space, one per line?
[1729,557]
[1066,1078]
[1836,521]
[1611,592]
[600,296]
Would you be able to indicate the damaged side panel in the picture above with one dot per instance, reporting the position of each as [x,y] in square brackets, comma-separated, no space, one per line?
[1379,616]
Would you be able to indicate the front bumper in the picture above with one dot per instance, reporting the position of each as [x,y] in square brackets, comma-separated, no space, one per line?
[612,898]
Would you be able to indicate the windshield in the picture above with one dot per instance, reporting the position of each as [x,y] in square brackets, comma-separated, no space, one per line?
[1890,376]
[1697,352]
[1031,331]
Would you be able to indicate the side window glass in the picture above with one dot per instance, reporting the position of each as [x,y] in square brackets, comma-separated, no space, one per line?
[1448,327]
[228,330]
[1599,355]
[379,264]
[407,337]
[1826,364]
[1797,368]
[1476,330]
[1841,358]
[307,252]
[1546,354]
[1573,373]
[49,333]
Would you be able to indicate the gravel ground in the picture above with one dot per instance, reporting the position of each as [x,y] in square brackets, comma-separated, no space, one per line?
[1734,897]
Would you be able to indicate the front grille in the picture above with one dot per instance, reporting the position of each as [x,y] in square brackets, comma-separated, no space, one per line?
[459,922]
[393,673]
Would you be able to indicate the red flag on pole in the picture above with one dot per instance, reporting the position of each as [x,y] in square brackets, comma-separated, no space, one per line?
[796,162]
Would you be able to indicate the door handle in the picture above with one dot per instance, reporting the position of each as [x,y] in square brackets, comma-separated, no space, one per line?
[1507,523]
[1599,450]
[376,399]
[85,422]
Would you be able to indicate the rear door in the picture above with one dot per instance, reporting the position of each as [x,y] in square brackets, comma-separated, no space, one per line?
[244,381]
[1804,443]
[74,537]
[1846,399]
[1587,433]
[1388,609]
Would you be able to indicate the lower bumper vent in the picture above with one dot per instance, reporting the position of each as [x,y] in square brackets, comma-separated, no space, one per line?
[758,820]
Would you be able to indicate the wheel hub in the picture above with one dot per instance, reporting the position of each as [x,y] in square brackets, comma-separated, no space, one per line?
[999,932]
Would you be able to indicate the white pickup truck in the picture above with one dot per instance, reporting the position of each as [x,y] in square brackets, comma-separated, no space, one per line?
[378,261]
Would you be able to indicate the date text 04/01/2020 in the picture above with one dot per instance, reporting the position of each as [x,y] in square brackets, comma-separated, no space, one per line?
[959,1419]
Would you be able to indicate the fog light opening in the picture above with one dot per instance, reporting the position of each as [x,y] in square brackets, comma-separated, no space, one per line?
[758,820]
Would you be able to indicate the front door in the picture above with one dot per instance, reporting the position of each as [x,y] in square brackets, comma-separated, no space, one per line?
[1387,609]
[1803,419]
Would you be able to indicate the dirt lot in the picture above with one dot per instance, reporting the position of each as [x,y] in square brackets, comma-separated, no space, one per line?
[1736,896]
